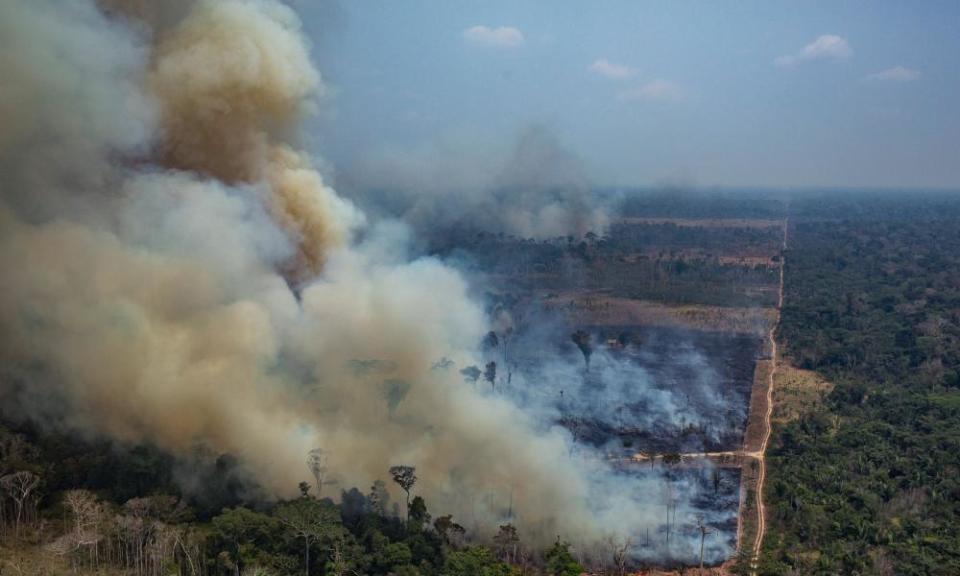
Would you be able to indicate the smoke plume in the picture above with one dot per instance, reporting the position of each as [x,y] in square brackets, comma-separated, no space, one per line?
[538,189]
[155,212]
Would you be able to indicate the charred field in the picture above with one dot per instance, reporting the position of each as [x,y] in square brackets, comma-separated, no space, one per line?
[651,390]
[681,497]
[643,344]
[651,393]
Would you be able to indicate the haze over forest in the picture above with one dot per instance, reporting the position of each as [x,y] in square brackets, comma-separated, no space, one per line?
[437,289]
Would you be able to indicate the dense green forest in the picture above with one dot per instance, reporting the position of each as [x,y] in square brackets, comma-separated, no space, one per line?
[869,483]
[98,507]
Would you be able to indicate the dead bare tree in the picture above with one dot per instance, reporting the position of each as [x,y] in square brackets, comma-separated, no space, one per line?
[317,463]
[582,339]
[20,486]
[618,549]
[139,525]
[87,513]
[704,530]
[189,548]
[160,547]
[670,500]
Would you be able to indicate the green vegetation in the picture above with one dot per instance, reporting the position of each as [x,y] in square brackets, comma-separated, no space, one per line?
[136,521]
[869,483]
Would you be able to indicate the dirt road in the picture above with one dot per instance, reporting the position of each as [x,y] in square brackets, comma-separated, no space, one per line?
[760,454]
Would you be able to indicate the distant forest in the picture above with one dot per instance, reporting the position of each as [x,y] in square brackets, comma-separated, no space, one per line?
[869,482]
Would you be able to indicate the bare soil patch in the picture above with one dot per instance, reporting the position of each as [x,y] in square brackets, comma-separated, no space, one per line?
[600,310]
[797,392]
[756,425]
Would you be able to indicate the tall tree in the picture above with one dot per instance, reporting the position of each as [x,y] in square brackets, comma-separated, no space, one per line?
[582,339]
[379,498]
[317,463]
[704,530]
[490,373]
[406,477]
[311,520]
[419,517]
[86,512]
[491,341]
[507,542]
[20,485]
[618,549]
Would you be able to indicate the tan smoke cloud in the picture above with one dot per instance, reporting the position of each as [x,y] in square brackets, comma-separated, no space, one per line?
[146,303]
[307,208]
[233,80]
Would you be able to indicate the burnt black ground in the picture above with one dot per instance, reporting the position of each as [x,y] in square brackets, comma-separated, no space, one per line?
[696,493]
[706,376]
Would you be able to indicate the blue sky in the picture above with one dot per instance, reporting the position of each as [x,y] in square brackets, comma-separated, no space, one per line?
[755,93]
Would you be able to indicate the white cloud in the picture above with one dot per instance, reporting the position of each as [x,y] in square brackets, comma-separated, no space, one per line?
[658,90]
[610,69]
[895,74]
[827,46]
[500,37]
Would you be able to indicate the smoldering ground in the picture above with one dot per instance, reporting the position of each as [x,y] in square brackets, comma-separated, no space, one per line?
[155,214]
[658,390]
[652,391]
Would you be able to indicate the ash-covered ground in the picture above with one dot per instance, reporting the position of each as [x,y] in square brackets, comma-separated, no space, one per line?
[650,390]
[647,389]
[675,503]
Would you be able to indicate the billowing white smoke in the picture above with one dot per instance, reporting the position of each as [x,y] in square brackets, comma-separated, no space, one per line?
[150,197]
[155,213]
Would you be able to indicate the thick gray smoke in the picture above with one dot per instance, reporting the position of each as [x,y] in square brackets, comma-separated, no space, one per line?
[538,189]
[600,397]
[155,211]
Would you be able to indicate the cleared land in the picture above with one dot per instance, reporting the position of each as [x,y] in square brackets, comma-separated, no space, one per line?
[797,392]
[665,301]
[601,309]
